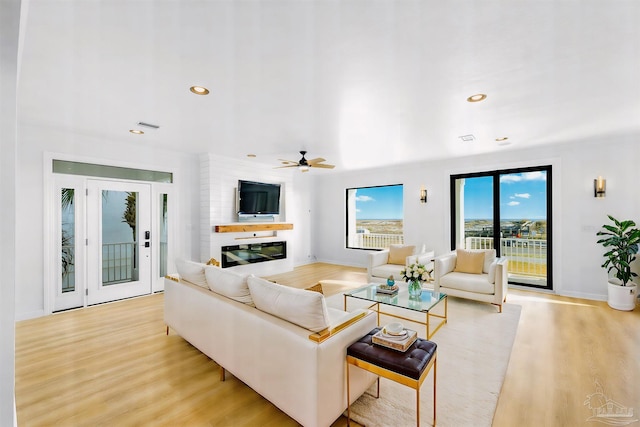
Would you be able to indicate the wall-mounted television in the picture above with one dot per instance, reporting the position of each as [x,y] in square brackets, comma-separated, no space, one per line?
[258,198]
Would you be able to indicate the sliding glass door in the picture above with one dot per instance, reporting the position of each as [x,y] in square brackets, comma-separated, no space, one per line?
[509,210]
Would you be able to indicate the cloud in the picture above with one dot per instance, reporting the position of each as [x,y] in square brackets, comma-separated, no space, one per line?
[525,176]
[365,199]
[522,195]
[534,176]
[513,203]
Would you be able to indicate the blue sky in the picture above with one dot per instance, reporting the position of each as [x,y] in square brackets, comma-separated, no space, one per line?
[379,202]
[522,196]
[113,229]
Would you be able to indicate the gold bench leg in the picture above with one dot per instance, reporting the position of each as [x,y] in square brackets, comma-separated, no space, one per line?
[418,406]
[435,369]
[222,374]
[348,399]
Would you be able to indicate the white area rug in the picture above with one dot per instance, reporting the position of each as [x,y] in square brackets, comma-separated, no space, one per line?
[473,353]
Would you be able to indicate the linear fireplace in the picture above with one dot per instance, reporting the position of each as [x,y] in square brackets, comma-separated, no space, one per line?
[252,253]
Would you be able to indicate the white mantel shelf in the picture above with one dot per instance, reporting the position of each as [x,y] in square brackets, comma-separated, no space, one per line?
[246,227]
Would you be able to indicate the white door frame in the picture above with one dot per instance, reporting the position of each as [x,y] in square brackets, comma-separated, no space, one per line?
[50,218]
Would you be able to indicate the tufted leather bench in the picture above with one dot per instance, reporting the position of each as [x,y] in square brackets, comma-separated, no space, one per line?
[409,368]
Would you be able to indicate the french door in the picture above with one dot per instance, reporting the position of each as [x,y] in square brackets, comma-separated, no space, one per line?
[509,210]
[113,240]
[118,240]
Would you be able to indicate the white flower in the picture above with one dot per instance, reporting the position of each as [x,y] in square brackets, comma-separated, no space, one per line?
[413,272]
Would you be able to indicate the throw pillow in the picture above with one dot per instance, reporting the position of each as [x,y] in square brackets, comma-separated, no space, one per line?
[489,257]
[469,261]
[398,254]
[192,272]
[304,308]
[492,271]
[229,284]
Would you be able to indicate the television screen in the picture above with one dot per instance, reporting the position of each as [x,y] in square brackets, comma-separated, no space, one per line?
[258,198]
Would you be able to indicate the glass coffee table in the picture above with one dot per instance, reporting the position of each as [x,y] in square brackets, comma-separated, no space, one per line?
[423,304]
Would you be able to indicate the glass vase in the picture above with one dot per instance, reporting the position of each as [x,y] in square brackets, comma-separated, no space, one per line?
[415,288]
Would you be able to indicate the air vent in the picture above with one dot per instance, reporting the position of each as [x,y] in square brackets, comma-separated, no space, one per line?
[148,125]
[467,138]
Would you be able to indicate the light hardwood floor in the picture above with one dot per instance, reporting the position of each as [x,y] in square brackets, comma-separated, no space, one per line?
[113,365]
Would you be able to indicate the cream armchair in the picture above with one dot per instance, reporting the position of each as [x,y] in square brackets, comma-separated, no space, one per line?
[472,274]
[389,262]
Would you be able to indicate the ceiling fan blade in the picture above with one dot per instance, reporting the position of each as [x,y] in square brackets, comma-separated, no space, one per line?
[314,161]
[287,166]
[288,162]
[323,165]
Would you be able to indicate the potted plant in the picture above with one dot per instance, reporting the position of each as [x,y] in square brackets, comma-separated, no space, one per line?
[621,239]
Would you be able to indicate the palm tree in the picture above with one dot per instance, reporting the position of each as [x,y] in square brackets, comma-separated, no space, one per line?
[129,214]
[67,257]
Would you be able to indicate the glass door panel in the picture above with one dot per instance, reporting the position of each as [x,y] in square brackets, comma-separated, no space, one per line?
[69,267]
[119,244]
[523,226]
[164,235]
[474,217]
[68,242]
[508,210]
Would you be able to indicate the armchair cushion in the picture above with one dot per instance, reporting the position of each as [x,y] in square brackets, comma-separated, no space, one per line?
[469,261]
[398,254]
[386,270]
[474,283]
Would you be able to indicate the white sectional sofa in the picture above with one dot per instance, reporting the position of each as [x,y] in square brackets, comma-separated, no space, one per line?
[252,329]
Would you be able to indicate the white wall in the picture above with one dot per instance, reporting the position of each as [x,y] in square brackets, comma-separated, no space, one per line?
[9,29]
[577,215]
[219,180]
[33,145]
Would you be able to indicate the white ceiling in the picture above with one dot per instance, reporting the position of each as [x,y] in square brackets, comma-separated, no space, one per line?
[361,83]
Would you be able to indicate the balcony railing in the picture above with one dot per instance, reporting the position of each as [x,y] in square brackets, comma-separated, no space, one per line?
[119,262]
[377,240]
[527,257]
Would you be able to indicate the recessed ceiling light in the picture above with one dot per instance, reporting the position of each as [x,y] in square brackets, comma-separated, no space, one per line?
[136,131]
[251,155]
[199,90]
[477,97]
[467,138]
[503,138]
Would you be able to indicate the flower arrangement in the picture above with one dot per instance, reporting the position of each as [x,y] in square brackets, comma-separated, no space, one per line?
[415,272]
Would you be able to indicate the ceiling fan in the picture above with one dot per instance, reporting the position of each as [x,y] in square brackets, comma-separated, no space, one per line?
[304,164]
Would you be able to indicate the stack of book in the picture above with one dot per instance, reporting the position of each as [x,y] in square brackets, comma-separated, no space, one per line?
[400,341]
[386,289]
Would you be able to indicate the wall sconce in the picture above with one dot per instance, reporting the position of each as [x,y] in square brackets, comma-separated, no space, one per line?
[599,187]
[423,194]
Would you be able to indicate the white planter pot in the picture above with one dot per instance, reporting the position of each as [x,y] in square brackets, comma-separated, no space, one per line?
[622,297]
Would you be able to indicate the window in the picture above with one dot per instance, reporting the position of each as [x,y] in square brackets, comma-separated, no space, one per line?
[374,216]
[509,210]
